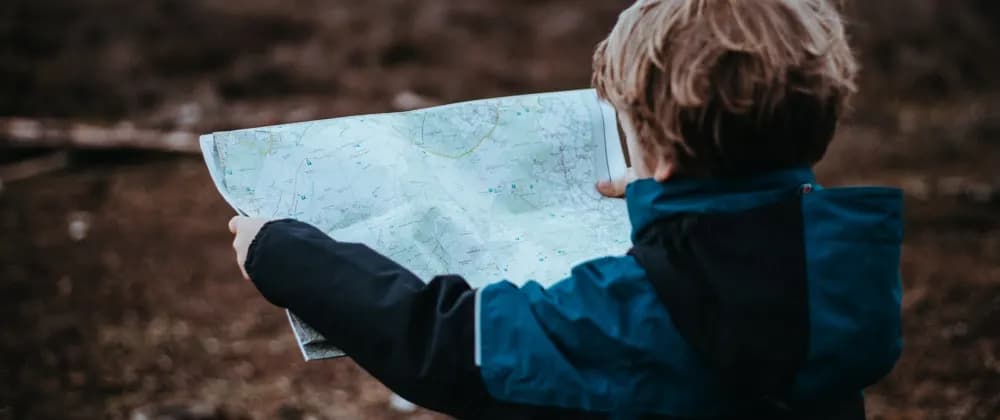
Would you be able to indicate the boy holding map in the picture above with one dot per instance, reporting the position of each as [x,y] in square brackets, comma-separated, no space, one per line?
[749,291]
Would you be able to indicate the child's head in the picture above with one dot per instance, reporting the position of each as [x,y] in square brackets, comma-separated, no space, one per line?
[726,87]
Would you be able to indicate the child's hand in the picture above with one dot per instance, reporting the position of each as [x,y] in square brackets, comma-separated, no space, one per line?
[245,229]
[616,188]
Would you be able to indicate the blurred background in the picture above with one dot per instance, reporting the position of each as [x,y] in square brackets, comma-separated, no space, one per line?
[118,295]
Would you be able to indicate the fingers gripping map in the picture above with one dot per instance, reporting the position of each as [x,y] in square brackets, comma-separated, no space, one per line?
[490,189]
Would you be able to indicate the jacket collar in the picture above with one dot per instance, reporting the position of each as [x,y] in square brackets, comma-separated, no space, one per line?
[648,200]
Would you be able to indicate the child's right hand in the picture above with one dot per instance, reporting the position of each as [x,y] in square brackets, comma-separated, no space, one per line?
[245,229]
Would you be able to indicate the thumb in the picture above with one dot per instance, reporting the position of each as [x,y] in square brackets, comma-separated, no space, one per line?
[234,224]
[615,188]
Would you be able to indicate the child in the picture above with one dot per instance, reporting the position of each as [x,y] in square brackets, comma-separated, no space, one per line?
[750,291]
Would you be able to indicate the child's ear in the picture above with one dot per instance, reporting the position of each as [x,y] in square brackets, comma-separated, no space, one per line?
[663,171]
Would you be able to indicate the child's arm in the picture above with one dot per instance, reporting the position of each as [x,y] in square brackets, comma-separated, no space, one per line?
[415,337]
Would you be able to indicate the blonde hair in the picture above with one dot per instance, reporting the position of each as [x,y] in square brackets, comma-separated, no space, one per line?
[728,86]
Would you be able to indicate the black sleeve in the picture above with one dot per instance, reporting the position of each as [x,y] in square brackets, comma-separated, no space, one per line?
[416,338]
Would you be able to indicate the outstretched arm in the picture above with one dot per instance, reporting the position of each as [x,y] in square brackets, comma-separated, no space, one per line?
[417,338]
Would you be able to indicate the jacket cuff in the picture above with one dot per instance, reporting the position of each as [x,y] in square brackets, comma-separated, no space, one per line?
[258,246]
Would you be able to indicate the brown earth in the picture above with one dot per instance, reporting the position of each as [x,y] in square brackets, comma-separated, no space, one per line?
[118,296]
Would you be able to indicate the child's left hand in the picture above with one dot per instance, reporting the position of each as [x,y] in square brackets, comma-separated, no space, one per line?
[245,229]
[616,187]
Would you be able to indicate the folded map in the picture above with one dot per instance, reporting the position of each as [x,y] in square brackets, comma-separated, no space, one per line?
[489,189]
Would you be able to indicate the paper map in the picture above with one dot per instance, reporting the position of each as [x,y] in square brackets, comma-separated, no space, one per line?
[490,189]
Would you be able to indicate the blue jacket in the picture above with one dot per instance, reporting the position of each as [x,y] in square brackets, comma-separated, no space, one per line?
[739,295]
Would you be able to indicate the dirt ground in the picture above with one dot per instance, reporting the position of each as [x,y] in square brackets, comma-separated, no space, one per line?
[118,296]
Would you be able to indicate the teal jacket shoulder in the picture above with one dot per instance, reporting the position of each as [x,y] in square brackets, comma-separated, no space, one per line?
[601,340]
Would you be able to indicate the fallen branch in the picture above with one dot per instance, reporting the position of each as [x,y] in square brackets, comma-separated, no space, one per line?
[33,166]
[25,132]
